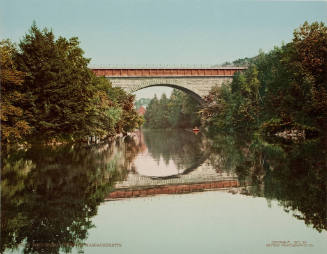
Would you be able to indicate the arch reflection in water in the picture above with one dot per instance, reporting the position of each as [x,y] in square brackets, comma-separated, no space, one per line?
[171,162]
[167,153]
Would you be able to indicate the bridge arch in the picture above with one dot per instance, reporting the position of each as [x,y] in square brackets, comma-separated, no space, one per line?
[193,94]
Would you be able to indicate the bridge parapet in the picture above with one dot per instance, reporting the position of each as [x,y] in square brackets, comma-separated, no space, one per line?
[167,72]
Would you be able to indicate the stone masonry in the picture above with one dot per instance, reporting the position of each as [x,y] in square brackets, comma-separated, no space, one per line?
[195,81]
[197,86]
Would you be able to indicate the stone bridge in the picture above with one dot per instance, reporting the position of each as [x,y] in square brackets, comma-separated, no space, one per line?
[195,81]
[204,178]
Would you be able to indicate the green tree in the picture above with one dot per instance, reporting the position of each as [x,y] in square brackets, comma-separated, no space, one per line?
[178,111]
[175,108]
[234,107]
[129,118]
[163,111]
[142,102]
[308,59]
[283,89]
[151,116]
[58,83]
[64,99]
[14,127]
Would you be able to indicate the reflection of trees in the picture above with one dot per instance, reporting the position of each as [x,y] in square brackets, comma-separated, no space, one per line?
[48,195]
[132,146]
[183,147]
[239,155]
[298,179]
[293,173]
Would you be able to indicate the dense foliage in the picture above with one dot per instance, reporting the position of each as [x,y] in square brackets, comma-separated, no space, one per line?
[50,94]
[283,89]
[142,102]
[178,111]
[13,125]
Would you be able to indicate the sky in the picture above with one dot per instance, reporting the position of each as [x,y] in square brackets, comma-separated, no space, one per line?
[163,32]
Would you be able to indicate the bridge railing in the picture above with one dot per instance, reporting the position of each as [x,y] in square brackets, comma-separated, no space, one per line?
[164,66]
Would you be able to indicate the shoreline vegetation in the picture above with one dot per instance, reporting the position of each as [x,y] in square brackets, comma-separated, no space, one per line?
[50,96]
[282,93]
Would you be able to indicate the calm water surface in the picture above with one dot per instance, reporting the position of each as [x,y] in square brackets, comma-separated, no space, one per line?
[166,192]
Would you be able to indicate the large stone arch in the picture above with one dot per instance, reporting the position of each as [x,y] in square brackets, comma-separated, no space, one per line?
[194,95]
[197,87]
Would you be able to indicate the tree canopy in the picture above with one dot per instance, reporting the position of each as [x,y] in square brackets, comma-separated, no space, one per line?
[50,94]
[285,88]
[13,125]
[178,111]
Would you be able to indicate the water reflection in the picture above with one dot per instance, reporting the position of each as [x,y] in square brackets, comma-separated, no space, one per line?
[295,174]
[168,152]
[50,194]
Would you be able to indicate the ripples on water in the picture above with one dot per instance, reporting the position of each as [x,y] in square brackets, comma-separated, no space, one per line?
[52,197]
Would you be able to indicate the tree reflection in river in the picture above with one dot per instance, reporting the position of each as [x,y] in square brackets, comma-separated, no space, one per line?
[295,174]
[49,194]
[183,147]
[297,178]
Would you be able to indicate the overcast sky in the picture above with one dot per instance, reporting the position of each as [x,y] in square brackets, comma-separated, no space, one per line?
[168,32]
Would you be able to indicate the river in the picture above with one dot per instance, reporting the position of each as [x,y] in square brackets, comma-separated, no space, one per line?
[166,191]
